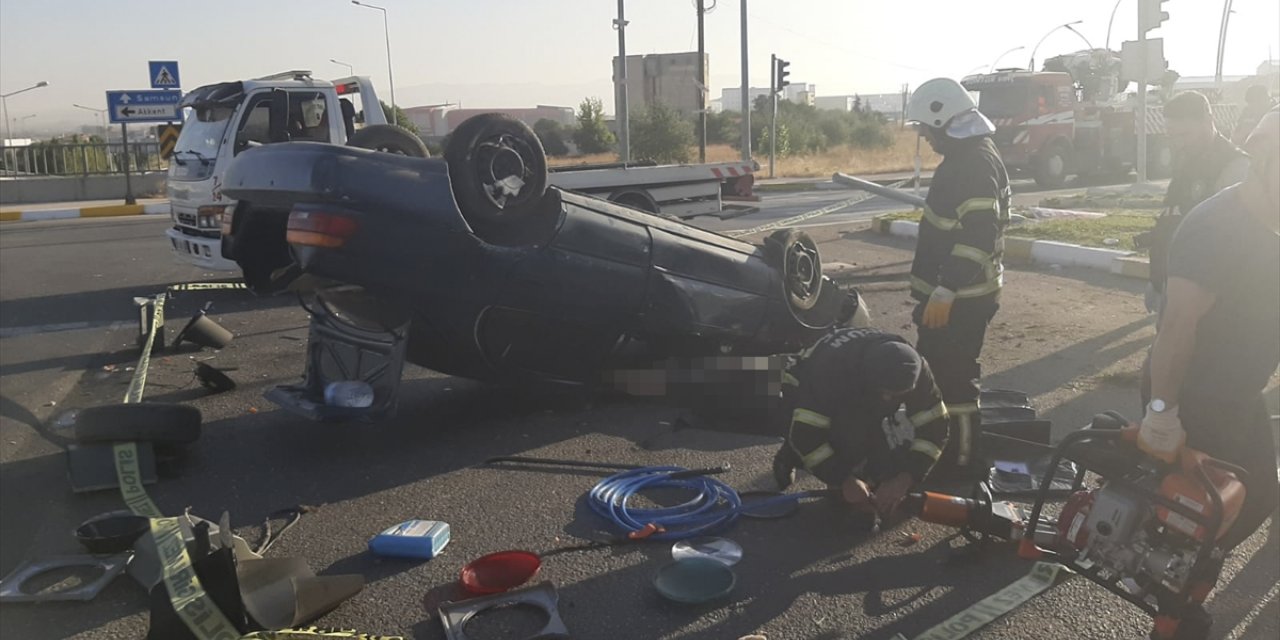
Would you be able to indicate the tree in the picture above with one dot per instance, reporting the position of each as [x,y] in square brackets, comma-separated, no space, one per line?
[660,135]
[400,118]
[552,135]
[592,135]
[723,128]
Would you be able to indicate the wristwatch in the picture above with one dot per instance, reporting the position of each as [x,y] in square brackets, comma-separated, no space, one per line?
[1158,406]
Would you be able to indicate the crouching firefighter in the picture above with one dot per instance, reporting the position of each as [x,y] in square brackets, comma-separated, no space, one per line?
[839,399]
[957,271]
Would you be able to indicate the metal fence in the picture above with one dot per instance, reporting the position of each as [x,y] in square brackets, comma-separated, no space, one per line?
[79,159]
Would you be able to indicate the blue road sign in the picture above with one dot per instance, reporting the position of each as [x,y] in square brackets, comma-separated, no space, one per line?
[143,106]
[164,74]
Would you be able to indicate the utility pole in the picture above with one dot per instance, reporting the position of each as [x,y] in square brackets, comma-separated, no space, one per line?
[746,91]
[624,124]
[702,86]
[773,121]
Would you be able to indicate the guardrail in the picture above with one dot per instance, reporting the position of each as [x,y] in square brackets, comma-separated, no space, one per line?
[79,159]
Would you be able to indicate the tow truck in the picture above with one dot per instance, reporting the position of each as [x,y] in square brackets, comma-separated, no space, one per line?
[326,111]
[1074,119]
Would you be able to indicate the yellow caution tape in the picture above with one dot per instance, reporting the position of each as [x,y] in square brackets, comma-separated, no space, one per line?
[1042,576]
[190,601]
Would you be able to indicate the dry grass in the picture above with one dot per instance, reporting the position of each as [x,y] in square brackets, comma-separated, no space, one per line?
[846,159]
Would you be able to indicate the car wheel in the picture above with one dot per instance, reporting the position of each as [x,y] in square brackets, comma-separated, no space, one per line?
[147,422]
[389,138]
[1051,167]
[796,257]
[498,169]
[635,200]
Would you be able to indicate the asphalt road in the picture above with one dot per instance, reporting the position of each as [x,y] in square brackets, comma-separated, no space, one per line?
[1071,339]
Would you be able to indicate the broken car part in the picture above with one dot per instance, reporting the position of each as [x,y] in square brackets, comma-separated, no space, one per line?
[695,580]
[160,423]
[92,467]
[890,192]
[11,588]
[214,379]
[499,572]
[203,331]
[111,532]
[722,550]
[455,616]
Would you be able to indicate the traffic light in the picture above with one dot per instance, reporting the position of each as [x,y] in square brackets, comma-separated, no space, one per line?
[1150,15]
[782,74]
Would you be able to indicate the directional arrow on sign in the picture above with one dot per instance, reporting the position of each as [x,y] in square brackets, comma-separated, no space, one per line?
[125,98]
[127,111]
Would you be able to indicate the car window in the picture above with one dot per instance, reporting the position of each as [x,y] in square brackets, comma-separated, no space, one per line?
[308,116]
[255,123]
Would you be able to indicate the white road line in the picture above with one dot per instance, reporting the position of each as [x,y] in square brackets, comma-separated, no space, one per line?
[1238,632]
[14,332]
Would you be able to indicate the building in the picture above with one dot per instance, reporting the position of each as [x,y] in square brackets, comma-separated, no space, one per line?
[798,92]
[890,105]
[669,78]
[438,120]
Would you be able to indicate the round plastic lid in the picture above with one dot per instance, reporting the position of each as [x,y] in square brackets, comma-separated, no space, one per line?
[498,572]
[722,550]
[694,580]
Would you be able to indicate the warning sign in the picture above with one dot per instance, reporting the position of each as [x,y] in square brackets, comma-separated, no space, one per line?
[164,74]
[168,136]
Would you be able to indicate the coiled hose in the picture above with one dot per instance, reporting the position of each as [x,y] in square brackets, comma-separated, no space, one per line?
[714,507]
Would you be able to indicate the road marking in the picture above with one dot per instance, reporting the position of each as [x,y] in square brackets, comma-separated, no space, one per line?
[15,332]
[1238,632]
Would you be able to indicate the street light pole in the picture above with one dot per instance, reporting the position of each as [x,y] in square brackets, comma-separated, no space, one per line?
[4,105]
[1222,43]
[20,121]
[746,92]
[386,31]
[351,71]
[1110,22]
[101,112]
[999,57]
[622,107]
[1031,66]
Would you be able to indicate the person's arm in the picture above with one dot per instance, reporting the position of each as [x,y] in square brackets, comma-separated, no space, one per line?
[978,215]
[810,437]
[928,416]
[1185,304]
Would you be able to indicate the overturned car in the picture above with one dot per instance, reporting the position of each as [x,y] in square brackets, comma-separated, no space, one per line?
[472,266]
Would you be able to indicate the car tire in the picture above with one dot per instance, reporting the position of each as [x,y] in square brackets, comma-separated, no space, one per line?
[1051,166]
[799,265]
[635,200]
[141,422]
[484,153]
[389,138]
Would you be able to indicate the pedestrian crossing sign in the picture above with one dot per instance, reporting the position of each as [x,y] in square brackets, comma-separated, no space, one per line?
[164,74]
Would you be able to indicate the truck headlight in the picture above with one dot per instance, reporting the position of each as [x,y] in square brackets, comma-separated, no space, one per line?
[210,216]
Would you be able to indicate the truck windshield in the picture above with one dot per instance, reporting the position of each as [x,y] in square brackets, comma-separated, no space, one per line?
[197,147]
[1005,102]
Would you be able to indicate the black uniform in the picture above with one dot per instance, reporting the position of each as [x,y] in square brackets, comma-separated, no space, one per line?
[1196,176]
[836,419]
[960,247]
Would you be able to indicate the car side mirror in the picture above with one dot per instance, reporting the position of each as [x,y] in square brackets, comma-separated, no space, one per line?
[278,120]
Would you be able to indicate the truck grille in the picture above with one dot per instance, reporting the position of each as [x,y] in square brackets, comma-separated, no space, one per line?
[188,219]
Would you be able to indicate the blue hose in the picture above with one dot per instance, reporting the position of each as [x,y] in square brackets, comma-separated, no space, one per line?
[714,507]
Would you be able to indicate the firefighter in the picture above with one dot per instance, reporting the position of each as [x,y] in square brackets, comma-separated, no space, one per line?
[957,271]
[839,400]
[1204,163]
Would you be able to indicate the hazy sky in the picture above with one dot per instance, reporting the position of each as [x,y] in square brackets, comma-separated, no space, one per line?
[505,53]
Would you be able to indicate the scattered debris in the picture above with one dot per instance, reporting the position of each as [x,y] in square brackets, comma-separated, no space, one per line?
[213,378]
[455,616]
[423,539]
[11,588]
[911,538]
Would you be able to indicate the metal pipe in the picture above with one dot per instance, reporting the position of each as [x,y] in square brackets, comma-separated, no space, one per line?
[880,190]
[1222,43]
[746,91]
[1140,114]
[1110,22]
[702,86]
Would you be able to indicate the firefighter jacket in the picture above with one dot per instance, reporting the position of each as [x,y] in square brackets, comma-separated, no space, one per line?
[961,241]
[837,416]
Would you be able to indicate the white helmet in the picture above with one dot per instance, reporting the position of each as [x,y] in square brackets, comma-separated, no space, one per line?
[937,101]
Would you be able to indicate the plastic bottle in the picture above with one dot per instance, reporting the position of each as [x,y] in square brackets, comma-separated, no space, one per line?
[354,394]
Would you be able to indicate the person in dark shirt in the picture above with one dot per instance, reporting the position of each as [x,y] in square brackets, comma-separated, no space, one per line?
[1204,163]
[1219,336]
[839,400]
[1257,101]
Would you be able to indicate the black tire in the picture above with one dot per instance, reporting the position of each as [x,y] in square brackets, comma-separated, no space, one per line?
[145,422]
[799,265]
[635,200]
[389,138]
[1050,166]
[487,150]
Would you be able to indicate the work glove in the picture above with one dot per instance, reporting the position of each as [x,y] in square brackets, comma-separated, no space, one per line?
[937,311]
[857,493]
[1161,435]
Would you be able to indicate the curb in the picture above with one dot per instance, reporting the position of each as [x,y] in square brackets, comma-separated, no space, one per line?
[1028,251]
[108,211]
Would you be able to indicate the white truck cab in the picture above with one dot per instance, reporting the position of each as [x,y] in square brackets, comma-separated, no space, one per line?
[221,120]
